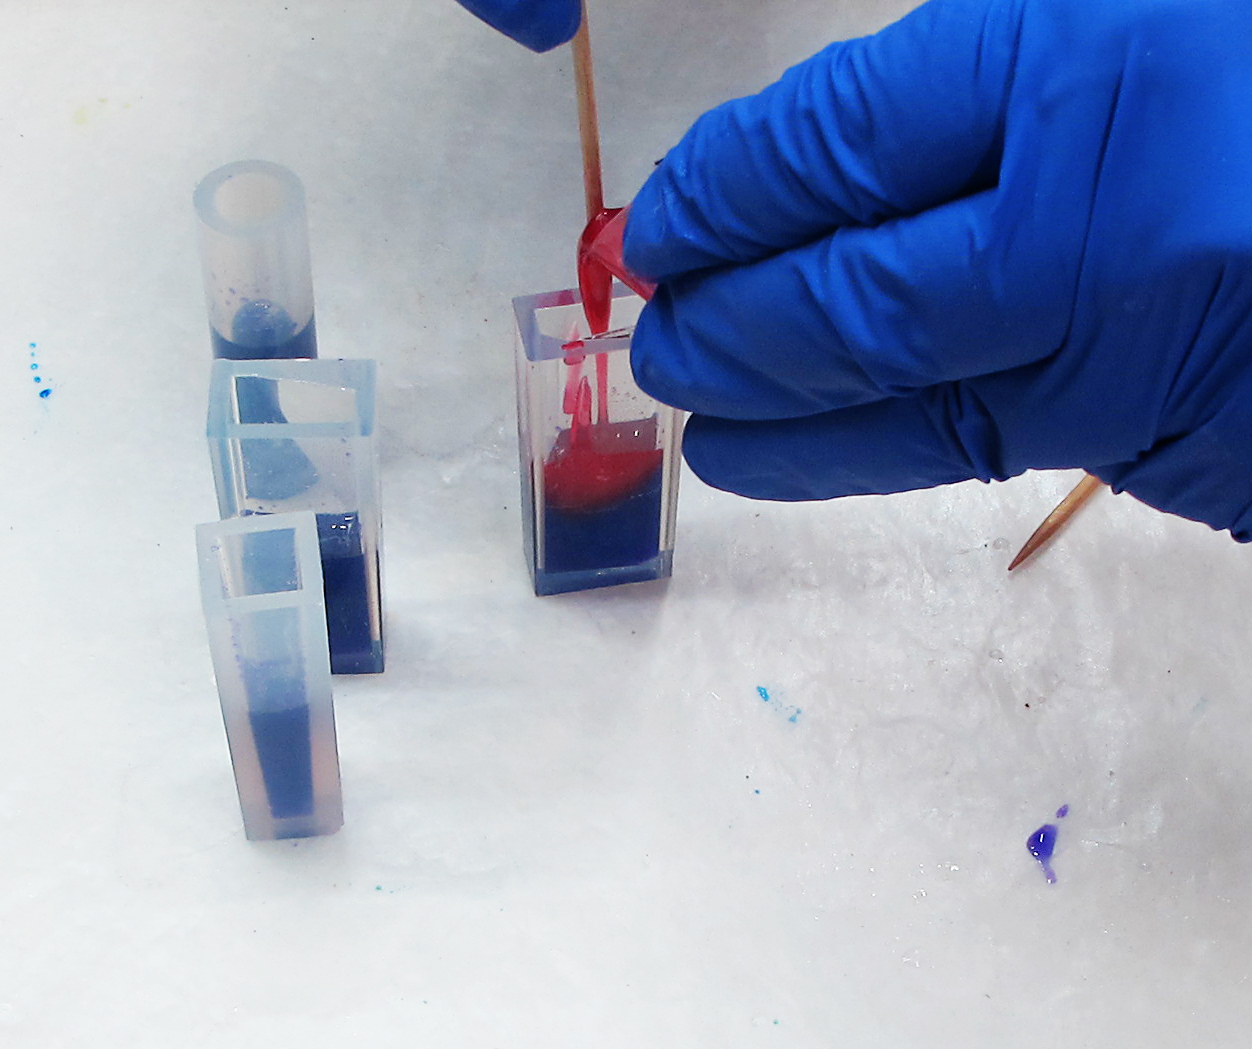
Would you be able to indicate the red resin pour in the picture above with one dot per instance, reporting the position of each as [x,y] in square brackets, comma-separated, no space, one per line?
[595,282]
[601,248]
[602,388]
[592,466]
[599,261]
[579,476]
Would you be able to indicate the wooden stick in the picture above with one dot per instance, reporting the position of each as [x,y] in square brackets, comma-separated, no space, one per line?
[588,124]
[1058,518]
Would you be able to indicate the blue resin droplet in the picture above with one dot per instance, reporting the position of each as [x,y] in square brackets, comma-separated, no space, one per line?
[1041,845]
[44,392]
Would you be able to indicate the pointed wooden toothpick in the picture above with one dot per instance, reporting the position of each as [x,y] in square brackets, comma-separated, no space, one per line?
[1058,518]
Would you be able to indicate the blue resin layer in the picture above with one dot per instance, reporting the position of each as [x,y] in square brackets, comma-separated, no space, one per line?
[261,331]
[282,744]
[659,567]
[615,544]
[278,714]
[346,571]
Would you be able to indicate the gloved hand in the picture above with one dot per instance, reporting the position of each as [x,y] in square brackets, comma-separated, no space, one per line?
[539,24]
[1000,234]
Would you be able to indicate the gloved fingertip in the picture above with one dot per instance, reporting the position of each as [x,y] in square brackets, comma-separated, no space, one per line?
[650,351]
[539,25]
[554,33]
[701,456]
[713,450]
[870,449]
[647,231]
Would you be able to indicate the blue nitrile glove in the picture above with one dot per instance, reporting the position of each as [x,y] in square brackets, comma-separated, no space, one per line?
[1000,234]
[539,24]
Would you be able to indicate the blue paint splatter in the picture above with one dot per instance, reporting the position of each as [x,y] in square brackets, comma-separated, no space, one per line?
[763,692]
[46,391]
[1062,812]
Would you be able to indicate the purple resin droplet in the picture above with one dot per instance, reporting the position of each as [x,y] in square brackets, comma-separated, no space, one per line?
[1041,844]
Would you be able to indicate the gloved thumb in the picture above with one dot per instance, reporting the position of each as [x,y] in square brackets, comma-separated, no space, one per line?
[862,314]
[894,445]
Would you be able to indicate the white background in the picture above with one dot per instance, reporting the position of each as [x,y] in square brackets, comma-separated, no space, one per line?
[574,821]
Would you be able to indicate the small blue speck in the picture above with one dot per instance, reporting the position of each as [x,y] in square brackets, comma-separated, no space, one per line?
[32,345]
[756,792]
[34,367]
[763,692]
[795,715]
[38,379]
[1062,812]
[44,392]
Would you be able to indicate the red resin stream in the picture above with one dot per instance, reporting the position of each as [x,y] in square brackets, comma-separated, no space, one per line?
[580,474]
[595,281]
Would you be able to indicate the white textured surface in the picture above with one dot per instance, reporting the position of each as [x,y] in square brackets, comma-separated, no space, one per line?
[554,833]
